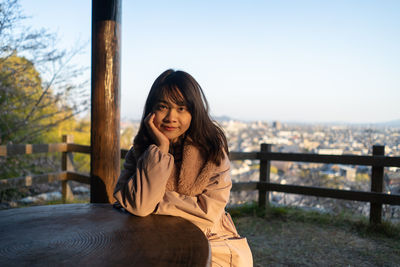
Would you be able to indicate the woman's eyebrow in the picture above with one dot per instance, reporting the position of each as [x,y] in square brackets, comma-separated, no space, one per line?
[180,103]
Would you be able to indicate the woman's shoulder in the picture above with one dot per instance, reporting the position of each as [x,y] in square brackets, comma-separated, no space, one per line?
[130,159]
[133,157]
[225,164]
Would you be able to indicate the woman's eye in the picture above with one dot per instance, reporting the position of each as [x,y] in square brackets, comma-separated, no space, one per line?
[162,107]
[181,109]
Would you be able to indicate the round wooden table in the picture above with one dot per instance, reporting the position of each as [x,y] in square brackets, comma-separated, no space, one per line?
[97,235]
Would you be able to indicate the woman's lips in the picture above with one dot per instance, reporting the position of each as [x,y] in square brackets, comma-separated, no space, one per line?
[169,128]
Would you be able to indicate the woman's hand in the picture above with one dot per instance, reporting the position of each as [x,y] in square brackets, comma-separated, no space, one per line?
[159,138]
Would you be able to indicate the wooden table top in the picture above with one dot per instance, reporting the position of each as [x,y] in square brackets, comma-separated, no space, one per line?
[97,235]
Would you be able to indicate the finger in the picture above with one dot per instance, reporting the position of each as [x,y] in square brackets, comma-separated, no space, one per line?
[159,138]
[147,119]
[150,121]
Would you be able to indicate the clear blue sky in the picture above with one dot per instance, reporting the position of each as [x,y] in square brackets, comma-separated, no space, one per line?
[310,61]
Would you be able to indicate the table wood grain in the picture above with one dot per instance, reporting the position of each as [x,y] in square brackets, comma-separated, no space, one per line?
[97,235]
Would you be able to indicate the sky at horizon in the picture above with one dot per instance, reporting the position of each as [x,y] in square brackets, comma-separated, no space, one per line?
[304,61]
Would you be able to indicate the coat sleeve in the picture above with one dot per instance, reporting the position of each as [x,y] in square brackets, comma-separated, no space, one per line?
[141,185]
[205,209]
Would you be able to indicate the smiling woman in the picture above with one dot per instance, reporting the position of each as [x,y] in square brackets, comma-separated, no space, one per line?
[179,166]
[173,120]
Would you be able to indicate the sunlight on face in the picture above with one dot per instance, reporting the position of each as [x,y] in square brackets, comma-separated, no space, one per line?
[172,119]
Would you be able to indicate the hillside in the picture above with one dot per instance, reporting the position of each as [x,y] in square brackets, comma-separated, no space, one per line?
[289,237]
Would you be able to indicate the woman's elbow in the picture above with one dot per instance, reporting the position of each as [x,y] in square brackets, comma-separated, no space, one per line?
[132,207]
[142,212]
[137,211]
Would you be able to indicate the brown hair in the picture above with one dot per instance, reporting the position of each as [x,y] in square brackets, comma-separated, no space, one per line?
[204,133]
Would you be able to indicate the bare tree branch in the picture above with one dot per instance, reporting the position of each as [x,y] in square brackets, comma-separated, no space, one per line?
[36,75]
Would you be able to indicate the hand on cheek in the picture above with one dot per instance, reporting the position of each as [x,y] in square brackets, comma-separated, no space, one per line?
[159,138]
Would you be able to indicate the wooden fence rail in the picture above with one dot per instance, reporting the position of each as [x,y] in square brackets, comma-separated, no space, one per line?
[377,161]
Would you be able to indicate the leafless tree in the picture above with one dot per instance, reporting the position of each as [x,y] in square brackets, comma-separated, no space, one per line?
[40,86]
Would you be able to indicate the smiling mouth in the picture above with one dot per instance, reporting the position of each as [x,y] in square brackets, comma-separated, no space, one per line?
[168,128]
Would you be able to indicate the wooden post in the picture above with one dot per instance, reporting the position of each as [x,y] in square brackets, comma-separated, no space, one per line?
[106,98]
[375,214]
[265,167]
[67,164]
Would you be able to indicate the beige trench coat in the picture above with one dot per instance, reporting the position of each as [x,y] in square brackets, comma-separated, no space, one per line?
[141,190]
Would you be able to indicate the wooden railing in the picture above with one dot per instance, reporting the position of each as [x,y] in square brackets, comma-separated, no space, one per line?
[377,161]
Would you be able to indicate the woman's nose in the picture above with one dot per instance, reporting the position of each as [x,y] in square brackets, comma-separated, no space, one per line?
[171,115]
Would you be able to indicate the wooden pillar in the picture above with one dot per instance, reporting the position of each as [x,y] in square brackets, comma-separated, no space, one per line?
[265,169]
[67,164]
[375,214]
[106,98]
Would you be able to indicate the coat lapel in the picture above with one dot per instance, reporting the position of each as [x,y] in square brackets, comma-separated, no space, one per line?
[193,176]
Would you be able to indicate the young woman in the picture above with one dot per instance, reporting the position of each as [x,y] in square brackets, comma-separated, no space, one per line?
[179,166]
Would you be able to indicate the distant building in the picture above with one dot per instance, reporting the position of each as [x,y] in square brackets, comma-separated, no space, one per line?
[348,173]
[277,125]
[309,145]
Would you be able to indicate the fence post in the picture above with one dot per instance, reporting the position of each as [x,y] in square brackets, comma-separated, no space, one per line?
[375,213]
[67,164]
[265,166]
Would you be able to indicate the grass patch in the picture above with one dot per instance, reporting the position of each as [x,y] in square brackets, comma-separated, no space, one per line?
[290,236]
[347,220]
[12,194]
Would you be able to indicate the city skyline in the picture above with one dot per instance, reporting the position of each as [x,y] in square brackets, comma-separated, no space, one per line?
[296,61]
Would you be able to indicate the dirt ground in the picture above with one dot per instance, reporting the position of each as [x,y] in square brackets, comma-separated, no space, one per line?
[276,242]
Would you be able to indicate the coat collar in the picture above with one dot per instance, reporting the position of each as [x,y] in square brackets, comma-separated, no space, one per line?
[193,174]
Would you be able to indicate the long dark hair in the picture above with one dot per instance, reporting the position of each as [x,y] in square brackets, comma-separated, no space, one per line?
[204,133]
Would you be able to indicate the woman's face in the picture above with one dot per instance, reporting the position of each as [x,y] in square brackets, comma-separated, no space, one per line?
[172,119]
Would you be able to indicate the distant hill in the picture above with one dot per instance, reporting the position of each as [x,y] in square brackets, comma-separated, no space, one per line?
[394,123]
[222,118]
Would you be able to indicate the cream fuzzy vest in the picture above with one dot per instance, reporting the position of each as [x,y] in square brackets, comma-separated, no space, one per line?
[194,174]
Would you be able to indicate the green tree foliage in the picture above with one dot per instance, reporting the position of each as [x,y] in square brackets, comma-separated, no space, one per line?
[26,109]
[39,86]
[41,91]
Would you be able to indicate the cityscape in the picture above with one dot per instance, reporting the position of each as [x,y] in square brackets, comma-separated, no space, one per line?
[331,139]
[307,138]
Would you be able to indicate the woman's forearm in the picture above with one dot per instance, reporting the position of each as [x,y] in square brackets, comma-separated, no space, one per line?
[144,187]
